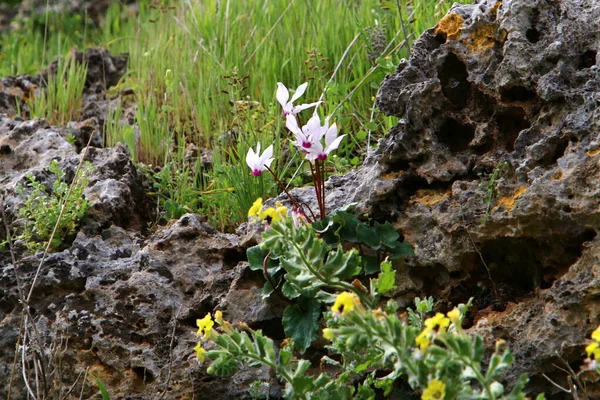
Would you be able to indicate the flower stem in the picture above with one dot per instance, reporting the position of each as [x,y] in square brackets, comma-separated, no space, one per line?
[292,199]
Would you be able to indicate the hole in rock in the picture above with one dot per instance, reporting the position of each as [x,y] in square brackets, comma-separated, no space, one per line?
[533,35]
[272,328]
[143,374]
[518,266]
[233,257]
[587,59]
[456,136]
[516,93]
[206,306]
[559,150]
[440,38]
[510,122]
[429,276]
[453,76]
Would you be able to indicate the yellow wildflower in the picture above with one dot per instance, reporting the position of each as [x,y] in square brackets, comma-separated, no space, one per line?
[205,326]
[596,334]
[424,339]
[270,215]
[256,208]
[200,352]
[454,316]
[328,333]
[345,303]
[281,210]
[436,390]
[593,351]
[219,317]
[438,321]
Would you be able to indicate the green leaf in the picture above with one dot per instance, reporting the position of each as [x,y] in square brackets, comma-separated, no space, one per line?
[102,388]
[256,257]
[387,234]
[361,135]
[368,235]
[386,280]
[224,365]
[301,322]
[371,265]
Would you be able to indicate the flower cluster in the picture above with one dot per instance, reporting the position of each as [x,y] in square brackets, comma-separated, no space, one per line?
[206,332]
[593,350]
[315,140]
[437,325]
[272,214]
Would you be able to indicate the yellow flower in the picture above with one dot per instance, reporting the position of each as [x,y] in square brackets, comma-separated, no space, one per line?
[345,303]
[596,334]
[219,317]
[423,340]
[328,333]
[593,351]
[454,316]
[270,215]
[205,326]
[281,210]
[256,208]
[200,352]
[438,321]
[436,390]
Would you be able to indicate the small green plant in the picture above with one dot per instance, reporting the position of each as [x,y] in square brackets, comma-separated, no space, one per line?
[41,209]
[372,348]
[102,388]
[500,170]
[60,101]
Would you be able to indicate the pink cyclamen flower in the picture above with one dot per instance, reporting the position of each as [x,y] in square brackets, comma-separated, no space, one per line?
[308,135]
[283,95]
[259,163]
[332,142]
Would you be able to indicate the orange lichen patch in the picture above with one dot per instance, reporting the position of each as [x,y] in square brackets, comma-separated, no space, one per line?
[100,371]
[557,175]
[509,202]
[494,10]
[392,174]
[593,153]
[482,38]
[429,197]
[450,25]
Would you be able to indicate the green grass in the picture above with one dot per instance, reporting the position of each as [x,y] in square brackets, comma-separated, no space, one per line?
[205,73]
[60,102]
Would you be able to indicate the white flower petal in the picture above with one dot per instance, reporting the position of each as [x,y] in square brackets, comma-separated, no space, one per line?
[313,127]
[267,154]
[331,134]
[334,145]
[251,158]
[292,124]
[299,91]
[268,162]
[282,94]
[302,107]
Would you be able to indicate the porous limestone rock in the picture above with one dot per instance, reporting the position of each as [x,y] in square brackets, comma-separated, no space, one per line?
[493,172]
[118,300]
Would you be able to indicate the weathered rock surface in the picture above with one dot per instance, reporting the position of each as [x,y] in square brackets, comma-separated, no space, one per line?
[494,169]
[124,300]
[492,174]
